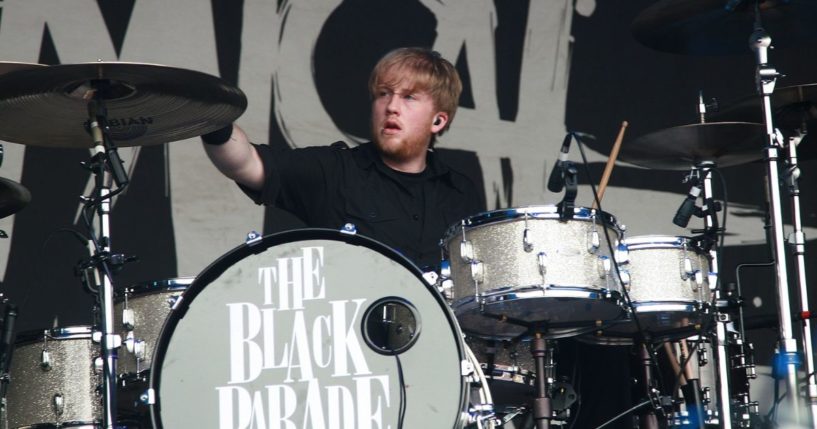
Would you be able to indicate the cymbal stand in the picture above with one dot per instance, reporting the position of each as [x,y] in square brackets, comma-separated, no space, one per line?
[722,320]
[797,241]
[106,166]
[765,78]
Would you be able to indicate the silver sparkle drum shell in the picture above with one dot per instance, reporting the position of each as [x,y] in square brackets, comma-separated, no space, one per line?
[144,307]
[53,379]
[206,371]
[670,280]
[521,267]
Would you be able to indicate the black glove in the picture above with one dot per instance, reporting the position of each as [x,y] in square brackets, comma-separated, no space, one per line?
[219,136]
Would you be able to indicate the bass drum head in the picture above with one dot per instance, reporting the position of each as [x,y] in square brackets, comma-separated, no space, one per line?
[273,335]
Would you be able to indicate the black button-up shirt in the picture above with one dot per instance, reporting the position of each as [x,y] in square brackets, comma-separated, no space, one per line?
[330,186]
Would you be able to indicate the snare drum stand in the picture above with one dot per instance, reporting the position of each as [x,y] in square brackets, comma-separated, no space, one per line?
[542,404]
[766,77]
[105,165]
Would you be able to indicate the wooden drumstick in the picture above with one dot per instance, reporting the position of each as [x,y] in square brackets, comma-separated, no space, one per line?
[686,357]
[608,169]
[673,361]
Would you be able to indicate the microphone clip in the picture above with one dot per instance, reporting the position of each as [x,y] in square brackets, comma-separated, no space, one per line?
[571,185]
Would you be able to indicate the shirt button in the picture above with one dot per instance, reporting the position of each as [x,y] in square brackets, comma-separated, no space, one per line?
[415,217]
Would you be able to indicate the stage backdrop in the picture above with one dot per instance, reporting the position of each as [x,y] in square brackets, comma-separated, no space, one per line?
[532,70]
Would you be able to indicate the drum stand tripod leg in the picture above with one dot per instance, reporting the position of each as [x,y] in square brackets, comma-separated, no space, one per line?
[542,406]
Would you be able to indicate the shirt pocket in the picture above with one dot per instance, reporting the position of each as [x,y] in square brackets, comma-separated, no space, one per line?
[371,211]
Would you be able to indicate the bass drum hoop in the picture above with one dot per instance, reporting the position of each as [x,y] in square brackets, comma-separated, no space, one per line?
[259,245]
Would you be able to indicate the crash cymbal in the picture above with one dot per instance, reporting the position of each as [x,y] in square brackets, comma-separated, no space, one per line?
[792,108]
[13,197]
[680,148]
[146,104]
[706,27]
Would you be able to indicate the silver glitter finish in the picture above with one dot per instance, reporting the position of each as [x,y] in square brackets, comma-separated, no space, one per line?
[151,303]
[534,267]
[669,288]
[71,375]
[657,270]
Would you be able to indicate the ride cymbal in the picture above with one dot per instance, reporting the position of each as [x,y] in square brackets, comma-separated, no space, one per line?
[146,104]
[680,148]
[13,197]
[707,27]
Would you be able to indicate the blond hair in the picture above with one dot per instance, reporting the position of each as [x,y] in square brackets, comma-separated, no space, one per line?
[425,70]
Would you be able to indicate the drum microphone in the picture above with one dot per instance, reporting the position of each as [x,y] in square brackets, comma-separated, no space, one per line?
[556,181]
[687,208]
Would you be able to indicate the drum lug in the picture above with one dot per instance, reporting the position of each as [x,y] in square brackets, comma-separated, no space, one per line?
[129,340]
[466,251]
[99,365]
[139,349]
[593,242]
[58,402]
[128,319]
[466,368]
[706,395]
[542,261]
[252,238]
[622,254]
[604,266]
[171,301]
[686,269]
[699,281]
[149,397]
[349,228]
[45,360]
[625,278]
[477,271]
[703,357]
[713,280]
[527,244]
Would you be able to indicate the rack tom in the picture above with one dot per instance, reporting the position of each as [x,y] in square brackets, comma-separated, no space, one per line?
[518,269]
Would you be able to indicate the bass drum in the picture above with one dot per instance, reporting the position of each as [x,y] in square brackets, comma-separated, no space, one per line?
[312,328]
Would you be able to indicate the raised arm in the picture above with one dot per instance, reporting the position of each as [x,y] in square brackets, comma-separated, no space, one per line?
[231,152]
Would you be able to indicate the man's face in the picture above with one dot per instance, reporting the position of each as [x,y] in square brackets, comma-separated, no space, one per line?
[402,120]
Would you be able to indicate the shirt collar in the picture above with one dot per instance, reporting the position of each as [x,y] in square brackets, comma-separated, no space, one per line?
[367,157]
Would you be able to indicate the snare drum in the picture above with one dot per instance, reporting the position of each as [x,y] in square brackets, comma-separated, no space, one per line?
[139,313]
[54,380]
[525,267]
[313,328]
[669,287]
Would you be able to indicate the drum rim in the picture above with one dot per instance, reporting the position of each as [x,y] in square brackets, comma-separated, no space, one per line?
[658,241]
[154,286]
[253,247]
[548,211]
[72,332]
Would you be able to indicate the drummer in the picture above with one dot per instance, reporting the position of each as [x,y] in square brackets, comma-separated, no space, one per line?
[395,188]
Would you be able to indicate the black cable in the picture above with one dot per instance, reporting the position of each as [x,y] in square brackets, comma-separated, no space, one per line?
[629,303]
[402,410]
[576,379]
[634,408]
